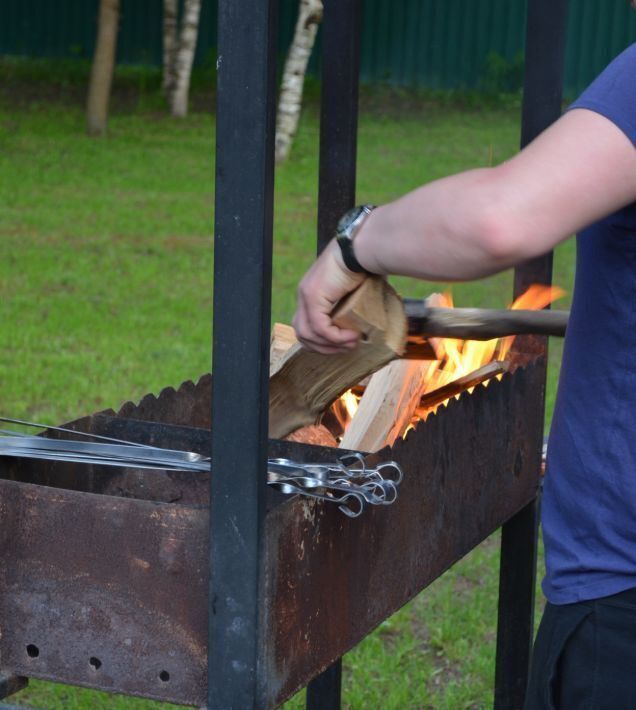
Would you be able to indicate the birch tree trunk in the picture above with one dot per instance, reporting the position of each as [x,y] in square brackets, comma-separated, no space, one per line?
[291,93]
[102,68]
[170,43]
[184,57]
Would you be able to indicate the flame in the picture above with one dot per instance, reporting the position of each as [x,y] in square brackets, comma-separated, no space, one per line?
[458,358]
[536,297]
[350,402]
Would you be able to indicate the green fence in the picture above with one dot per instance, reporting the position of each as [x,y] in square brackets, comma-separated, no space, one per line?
[450,44]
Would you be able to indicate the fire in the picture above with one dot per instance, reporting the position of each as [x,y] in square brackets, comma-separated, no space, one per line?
[458,358]
[350,402]
[535,298]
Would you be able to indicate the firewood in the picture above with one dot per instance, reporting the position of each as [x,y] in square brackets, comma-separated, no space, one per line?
[480,323]
[441,394]
[391,397]
[306,382]
[316,434]
[389,402]
[283,337]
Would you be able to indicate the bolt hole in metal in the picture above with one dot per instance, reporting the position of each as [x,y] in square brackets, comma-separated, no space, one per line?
[32,651]
[94,663]
[164,676]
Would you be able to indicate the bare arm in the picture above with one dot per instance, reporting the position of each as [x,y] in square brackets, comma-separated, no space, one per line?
[482,221]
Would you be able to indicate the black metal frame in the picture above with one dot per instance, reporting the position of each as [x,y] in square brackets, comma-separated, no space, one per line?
[242,296]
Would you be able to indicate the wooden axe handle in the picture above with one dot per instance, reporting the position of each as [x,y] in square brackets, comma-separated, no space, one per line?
[480,323]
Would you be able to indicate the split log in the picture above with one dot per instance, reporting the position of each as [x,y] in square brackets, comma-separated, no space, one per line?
[307,382]
[386,407]
[389,400]
[441,394]
[283,337]
[480,323]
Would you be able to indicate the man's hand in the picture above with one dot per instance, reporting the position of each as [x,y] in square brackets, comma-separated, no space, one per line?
[326,283]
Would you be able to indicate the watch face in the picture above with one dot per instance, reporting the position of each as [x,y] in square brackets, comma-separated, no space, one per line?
[347,219]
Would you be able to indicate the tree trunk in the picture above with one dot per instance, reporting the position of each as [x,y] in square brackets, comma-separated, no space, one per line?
[170,43]
[291,93]
[184,57]
[102,69]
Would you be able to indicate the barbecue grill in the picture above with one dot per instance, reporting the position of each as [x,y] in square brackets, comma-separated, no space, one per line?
[213,590]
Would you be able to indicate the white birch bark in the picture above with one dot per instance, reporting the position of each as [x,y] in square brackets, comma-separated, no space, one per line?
[170,43]
[184,58]
[291,93]
[102,68]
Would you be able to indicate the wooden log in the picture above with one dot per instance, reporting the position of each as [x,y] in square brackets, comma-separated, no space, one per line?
[441,394]
[386,407]
[389,401]
[283,337]
[481,323]
[306,383]
[418,348]
[315,434]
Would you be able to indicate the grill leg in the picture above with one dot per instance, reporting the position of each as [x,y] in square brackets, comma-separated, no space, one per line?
[10,684]
[517,576]
[323,693]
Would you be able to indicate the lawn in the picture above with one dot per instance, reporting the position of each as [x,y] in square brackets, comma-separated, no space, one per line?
[106,294]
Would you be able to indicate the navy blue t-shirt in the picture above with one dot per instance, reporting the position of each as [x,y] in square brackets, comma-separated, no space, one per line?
[589,503]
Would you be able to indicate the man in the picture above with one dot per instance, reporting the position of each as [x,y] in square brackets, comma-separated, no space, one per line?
[580,172]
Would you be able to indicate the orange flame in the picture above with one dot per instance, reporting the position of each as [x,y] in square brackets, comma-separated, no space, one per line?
[350,402]
[536,297]
[458,358]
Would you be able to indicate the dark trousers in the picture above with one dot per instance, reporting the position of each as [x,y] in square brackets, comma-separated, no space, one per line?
[584,656]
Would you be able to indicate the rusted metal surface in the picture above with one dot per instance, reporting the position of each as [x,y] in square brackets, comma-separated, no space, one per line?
[331,580]
[188,405]
[11,683]
[122,580]
[104,592]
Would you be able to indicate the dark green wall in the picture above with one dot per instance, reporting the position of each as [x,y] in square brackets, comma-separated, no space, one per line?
[417,43]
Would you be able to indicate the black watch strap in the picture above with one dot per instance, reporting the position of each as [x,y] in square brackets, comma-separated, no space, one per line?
[346,230]
[349,257]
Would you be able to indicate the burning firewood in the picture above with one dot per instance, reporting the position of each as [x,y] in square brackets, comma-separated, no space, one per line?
[389,401]
[306,383]
[303,384]
[386,407]
[441,394]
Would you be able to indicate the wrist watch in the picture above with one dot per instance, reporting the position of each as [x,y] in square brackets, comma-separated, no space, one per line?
[347,228]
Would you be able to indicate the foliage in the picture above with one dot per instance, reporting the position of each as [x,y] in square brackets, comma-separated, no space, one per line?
[502,76]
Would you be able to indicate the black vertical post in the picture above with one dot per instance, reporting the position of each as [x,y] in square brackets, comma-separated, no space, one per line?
[341,28]
[338,113]
[242,296]
[543,82]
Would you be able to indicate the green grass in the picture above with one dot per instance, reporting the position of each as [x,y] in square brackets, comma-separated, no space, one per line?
[106,294]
